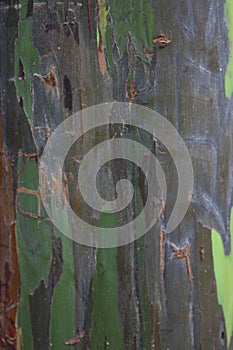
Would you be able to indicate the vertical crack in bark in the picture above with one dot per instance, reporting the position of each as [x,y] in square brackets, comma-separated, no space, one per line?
[30,5]
[67,93]
[21,74]
[163,239]
[89,17]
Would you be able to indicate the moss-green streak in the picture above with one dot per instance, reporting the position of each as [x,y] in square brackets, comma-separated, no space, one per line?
[223,269]
[107,325]
[25,50]
[109,50]
[229,70]
[136,17]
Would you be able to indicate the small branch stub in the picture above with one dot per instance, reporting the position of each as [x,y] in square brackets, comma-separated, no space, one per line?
[161,40]
[50,80]
[75,340]
[184,253]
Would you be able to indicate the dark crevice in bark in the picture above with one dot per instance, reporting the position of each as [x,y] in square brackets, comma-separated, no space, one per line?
[29,8]
[21,101]
[21,74]
[67,93]
[75,29]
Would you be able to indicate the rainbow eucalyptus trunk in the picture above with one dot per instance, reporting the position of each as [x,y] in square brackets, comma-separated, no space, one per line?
[164,290]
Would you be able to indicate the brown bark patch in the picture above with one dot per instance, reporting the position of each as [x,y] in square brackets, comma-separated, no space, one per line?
[9,270]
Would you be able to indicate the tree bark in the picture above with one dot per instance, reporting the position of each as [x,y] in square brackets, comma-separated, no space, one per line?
[161,291]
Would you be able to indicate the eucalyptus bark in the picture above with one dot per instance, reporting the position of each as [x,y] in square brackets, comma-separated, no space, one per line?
[158,292]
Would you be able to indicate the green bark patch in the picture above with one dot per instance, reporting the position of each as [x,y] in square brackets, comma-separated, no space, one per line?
[107,328]
[223,269]
[26,60]
[46,269]
[34,246]
[135,17]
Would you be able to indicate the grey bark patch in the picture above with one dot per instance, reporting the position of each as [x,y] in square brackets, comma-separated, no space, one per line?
[40,300]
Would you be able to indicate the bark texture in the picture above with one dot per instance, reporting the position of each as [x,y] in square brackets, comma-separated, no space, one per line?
[160,291]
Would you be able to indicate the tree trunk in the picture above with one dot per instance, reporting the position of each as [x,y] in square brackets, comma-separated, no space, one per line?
[164,290]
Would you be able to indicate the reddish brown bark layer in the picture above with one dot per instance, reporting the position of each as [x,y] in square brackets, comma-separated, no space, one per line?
[9,272]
